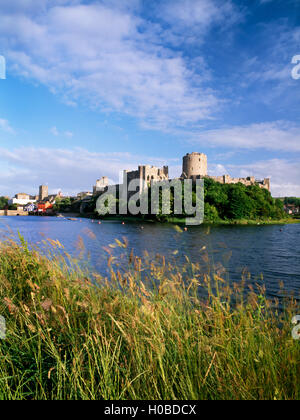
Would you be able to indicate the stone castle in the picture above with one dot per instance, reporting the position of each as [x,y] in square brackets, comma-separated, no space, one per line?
[146,174]
[194,166]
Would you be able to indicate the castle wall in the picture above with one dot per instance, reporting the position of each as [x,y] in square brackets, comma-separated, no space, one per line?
[152,173]
[227,179]
[147,174]
[130,176]
[13,213]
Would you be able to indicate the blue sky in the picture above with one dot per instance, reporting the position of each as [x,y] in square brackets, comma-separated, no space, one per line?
[94,87]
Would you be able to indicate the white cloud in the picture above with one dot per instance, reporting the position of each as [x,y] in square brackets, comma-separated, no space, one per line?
[5,126]
[276,136]
[99,54]
[57,133]
[217,169]
[201,13]
[30,6]
[284,175]
[263,75]
[72,170]
[54,131]
[77,170]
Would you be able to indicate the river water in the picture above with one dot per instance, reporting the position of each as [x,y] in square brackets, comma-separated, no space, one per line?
[271,254]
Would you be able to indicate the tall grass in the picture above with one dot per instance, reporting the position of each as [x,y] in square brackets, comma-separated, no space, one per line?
[139,333]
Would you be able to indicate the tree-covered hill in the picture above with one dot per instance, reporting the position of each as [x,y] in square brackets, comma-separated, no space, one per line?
[236,202]
[3,203]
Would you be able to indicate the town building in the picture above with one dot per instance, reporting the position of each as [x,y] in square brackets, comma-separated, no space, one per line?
[21,199]
[45,205]
[292,209]
[30,208]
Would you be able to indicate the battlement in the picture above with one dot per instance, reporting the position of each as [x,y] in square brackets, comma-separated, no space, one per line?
[227,179]
[147,174]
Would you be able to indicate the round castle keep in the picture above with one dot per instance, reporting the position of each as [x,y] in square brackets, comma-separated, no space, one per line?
[194,164]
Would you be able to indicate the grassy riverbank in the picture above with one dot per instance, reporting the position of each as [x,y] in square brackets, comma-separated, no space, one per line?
[74,335]
[182,221]
[252,222]
[287,221]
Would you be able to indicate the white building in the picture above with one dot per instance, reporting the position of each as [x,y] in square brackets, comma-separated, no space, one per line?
[22,199]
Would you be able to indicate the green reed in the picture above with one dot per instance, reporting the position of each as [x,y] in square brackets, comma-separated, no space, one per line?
[139,333]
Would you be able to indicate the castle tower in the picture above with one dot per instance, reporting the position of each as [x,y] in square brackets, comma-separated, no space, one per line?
[194,164]
[267,184]
[43,192]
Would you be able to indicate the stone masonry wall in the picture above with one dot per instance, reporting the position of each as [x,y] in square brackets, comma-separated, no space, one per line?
[227,179]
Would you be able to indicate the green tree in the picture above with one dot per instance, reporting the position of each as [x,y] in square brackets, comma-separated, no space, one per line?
[292,200]
[240,204]
[3,203]
[62,204]
[211,213]
[237,201]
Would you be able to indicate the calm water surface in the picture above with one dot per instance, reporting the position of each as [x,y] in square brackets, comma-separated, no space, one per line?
[270,253]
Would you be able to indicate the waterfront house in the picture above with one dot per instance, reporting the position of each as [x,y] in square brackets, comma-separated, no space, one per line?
[22,199]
